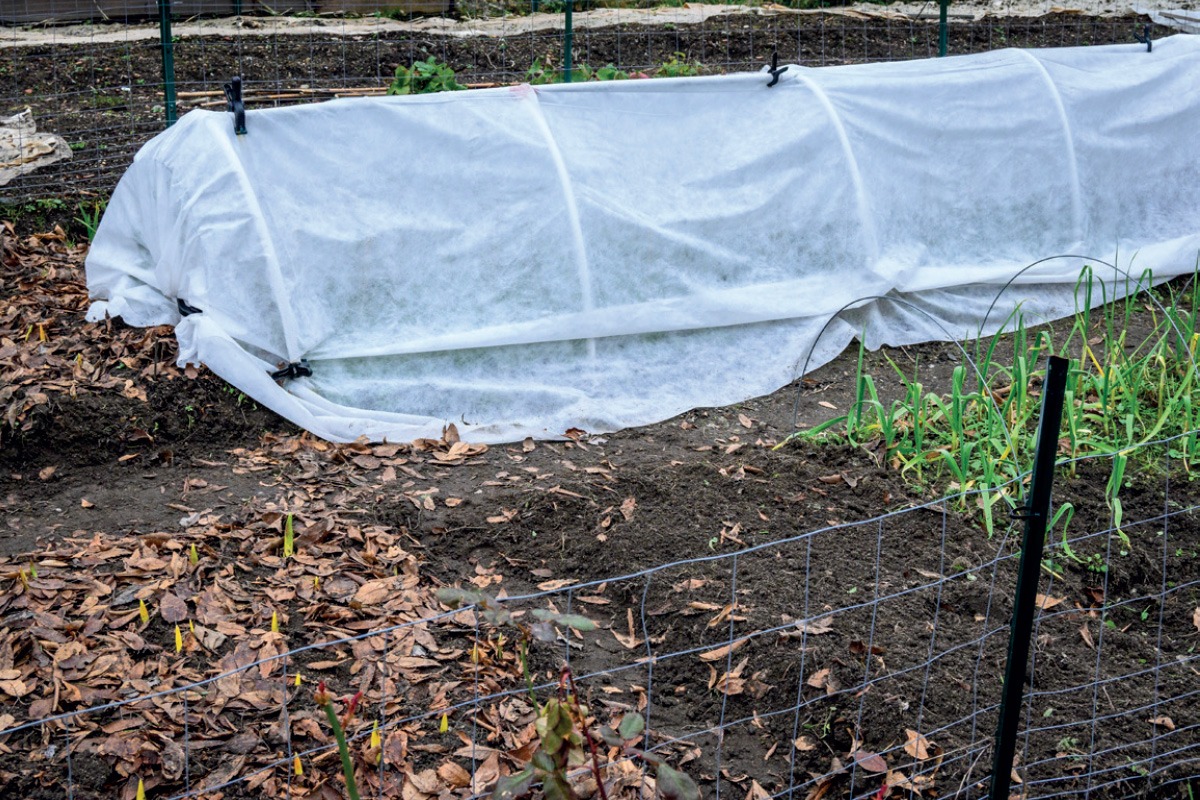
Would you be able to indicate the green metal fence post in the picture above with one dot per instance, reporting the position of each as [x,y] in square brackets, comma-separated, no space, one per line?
[943,8]
[168,59]
[1037,516]
[568,42]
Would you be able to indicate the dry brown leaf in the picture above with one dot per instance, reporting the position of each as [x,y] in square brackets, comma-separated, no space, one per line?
[631,641]
[688,584]
[1045,602]
[172,609]
[454,775]
[746,421]
[1196,618]
[628,506]
[1086,633]
[859,648]
[1163,722]
[826,404]
[375,592]
[757,792]
[46,473]
[505,515]
[722,652]
[824,679]
[813,627]
[550,586]
[917,745]
[426,781]
[805,744]
[820,790]
[871,762]
[728,684]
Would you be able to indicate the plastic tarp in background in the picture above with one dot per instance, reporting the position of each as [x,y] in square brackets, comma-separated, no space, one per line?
[521,261]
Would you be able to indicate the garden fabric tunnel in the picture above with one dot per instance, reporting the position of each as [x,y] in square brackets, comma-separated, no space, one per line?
[521,261]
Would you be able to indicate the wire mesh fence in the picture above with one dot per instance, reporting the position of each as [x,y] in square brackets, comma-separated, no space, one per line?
[93,74]
[852,660]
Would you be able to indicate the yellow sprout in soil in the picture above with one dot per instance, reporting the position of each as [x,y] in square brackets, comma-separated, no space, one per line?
[445,724]
[289,538]
[297,767]
[141,790]
[143,612]
[178,640]
[274,622]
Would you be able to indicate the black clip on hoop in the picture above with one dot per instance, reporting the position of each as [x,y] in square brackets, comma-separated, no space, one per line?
[235,104]
[775,71]
[1145,38]
[185,309]
[297,369]
[1021,513]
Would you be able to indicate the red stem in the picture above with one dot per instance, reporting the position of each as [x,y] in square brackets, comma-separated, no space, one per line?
[587,736]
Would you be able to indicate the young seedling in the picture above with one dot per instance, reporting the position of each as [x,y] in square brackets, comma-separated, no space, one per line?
[289,537]
[324,699]
[564,725]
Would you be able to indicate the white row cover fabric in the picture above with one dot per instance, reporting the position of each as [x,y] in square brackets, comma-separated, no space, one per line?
[522,261]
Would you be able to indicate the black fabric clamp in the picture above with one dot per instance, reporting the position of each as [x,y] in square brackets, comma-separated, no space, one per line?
[186,310]
[1021,512]
[235,104]
[1145,38]
[775,71]
[297,369]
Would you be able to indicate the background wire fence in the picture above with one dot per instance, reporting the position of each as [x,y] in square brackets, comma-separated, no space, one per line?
[810,658]
[92,73]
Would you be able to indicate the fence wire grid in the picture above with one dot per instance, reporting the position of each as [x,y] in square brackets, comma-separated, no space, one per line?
[806,675]
[92,73]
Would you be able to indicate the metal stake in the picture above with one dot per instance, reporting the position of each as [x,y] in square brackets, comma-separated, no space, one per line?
[943,33]
[168,59]
[1037,515]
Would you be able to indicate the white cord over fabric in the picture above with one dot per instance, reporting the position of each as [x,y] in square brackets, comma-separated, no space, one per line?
[865,220]
[1068,142]
[530,95]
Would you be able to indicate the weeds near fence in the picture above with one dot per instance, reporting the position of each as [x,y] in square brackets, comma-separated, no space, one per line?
[424,77]
[1131,381]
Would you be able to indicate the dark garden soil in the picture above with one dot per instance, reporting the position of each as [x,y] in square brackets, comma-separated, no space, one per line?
[115,463]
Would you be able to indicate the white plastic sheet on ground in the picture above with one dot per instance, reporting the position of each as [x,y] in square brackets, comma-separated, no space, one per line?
[522,261]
